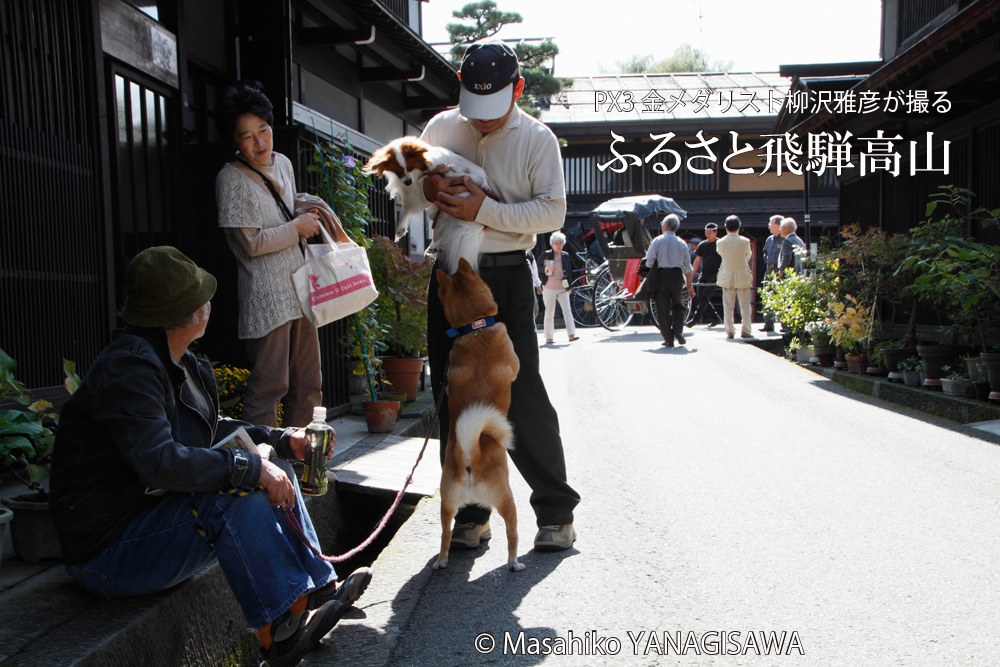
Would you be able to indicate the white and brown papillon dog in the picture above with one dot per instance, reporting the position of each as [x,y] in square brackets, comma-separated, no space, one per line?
[405,162]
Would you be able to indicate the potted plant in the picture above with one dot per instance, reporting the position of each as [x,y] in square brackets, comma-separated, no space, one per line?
[876,360]
[868,263]
[798,299]
[823,348]
[910,368]
[27,437]
[345,186]
[402,313]
[893,352]
[956,274]
[803,353]
[955,381]
[850,324]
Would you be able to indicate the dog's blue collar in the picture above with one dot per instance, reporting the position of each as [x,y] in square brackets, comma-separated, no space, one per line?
[469,328]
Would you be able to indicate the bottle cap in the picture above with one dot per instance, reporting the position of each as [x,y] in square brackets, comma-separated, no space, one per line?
[319,413]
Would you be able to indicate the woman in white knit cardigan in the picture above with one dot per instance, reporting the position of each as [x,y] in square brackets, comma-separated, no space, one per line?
[282,343]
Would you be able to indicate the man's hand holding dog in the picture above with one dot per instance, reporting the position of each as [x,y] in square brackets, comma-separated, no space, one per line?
[458,196]
[462,207]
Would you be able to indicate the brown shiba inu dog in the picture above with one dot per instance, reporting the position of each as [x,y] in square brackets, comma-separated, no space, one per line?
[482,366]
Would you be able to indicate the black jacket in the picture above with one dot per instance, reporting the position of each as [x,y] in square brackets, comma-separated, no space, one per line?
[133,424]
[566,266]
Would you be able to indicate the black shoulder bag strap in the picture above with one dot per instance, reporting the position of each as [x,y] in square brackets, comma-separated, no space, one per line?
[270,186]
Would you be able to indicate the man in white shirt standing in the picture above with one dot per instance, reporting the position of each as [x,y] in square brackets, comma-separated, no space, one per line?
[522,161]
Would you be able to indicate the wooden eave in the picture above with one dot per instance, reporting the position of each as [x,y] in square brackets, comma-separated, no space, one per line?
[967,42]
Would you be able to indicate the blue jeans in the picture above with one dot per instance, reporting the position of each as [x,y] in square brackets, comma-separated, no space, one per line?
[267,566]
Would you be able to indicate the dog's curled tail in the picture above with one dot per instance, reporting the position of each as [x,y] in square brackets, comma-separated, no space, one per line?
[482,419]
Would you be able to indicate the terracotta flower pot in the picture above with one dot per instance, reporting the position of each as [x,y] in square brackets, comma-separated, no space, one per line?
[403,373]
[856,363]
[935,358]
[381,415]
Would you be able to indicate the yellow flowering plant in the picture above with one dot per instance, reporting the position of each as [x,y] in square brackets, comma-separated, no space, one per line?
[850,323]
[231,383]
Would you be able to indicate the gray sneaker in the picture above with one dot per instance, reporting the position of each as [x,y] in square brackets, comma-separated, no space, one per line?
[470,535]
[346,592]
[296,634]
[555,538]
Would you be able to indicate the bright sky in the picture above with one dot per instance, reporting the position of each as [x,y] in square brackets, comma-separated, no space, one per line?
[757,35]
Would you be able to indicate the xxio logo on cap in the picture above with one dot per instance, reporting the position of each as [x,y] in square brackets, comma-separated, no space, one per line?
[482,86]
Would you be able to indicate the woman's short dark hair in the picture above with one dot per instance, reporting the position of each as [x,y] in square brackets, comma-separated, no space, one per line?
[244,97]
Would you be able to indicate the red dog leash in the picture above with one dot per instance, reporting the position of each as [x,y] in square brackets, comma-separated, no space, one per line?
[296,527]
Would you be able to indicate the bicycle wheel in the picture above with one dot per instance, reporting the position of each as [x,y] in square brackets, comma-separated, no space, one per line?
[652,312]
[610,307]
[581,303]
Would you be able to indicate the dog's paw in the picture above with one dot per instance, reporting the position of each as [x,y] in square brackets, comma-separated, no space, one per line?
[440,563]
[515,565]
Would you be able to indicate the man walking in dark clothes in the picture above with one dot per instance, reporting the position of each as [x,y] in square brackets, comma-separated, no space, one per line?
[673,271]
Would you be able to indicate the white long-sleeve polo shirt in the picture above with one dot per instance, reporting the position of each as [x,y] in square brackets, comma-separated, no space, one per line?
[524,167]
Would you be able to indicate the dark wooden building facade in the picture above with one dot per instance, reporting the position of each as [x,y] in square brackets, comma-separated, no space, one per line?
[944,52]
[108,144]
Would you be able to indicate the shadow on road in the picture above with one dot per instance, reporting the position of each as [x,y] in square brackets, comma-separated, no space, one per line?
[478,613]
[841,390]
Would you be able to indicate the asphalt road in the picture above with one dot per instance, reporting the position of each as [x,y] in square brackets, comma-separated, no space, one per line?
[737,510]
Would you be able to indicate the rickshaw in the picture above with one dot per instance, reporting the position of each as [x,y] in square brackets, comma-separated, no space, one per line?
[622,227]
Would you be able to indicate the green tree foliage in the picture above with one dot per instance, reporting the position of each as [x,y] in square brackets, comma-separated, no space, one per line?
[486,21]
[686,58]
[482,20]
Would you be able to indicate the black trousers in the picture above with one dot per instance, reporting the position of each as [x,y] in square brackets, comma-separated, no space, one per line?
[538,451]
[669,306]
[702,298]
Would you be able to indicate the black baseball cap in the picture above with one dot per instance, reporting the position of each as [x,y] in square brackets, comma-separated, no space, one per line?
[489,72]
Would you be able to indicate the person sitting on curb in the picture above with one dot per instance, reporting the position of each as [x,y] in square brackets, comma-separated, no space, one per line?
[140,498]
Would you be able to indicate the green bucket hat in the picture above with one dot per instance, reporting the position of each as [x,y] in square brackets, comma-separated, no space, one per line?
[163,286]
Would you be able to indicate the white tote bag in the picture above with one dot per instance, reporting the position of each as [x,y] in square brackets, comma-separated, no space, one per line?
[336,281]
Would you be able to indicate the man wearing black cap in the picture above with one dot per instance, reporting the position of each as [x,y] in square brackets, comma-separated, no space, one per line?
[708,260]
[522,161]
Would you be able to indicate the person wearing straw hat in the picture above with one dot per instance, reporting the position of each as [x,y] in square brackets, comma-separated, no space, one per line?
[140,498]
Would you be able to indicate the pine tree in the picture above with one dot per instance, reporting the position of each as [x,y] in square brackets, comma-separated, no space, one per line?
[482,21]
